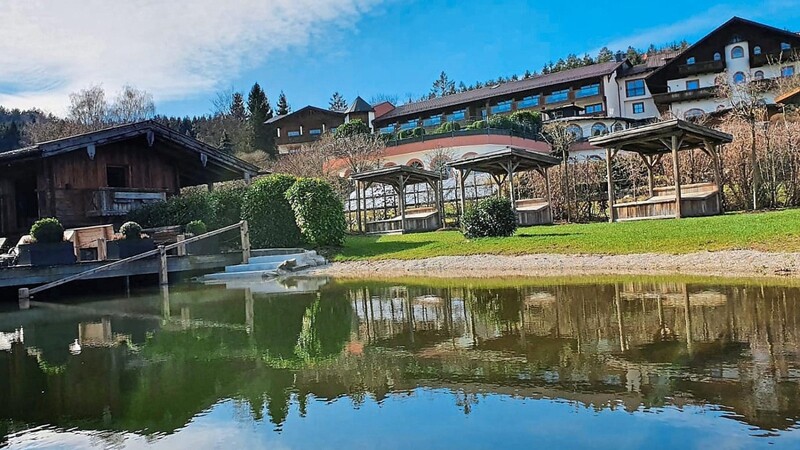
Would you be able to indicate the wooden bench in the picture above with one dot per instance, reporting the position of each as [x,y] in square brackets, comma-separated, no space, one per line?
[533,211]
[417,219]
[698,199]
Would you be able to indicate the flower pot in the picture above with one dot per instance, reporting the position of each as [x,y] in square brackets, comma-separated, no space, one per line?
[125,248]
[39,254]
[208,246]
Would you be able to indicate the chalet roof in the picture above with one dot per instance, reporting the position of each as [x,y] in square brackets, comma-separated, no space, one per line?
[494,162]
[148,129]
[511,87]
[304,109]
[397,175]
[652,63]
[359,105]
[652,138]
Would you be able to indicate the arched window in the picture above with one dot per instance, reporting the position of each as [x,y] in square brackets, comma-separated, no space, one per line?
[618,127]
[737,52]
[694,114]
[738,78]
[576,131]
[415,163]
[690,60]
[389,164]
[717,57]
[759,75]
[757,50]
[599,129]
[786,46]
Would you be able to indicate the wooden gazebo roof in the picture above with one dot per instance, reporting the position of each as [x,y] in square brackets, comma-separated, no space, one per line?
[396,175]
[496,162]
[655,138]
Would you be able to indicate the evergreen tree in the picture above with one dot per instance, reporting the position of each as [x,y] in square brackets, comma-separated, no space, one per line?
[462,87]
[337,103]
[443,86]
[262,137]
[282,107]
[225,144]
[238,110]
[633,56]
[605,55]
[527,74]
[10,137]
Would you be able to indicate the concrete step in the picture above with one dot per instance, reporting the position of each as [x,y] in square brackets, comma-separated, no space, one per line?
[275,251]
[225,276]
[252,267]
[275,258]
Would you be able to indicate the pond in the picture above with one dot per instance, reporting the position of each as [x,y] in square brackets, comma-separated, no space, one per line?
[572,363]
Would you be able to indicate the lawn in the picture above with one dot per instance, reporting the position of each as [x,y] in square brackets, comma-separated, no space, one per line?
[777,231]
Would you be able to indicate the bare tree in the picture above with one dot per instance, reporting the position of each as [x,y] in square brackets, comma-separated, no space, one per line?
[132,105]
[360,152]
[561,136]
[438,159]
[89,107]
[222,103]
[380,98]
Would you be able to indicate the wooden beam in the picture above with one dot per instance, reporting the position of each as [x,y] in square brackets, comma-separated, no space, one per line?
[677,175]
[463,191]
[609,160]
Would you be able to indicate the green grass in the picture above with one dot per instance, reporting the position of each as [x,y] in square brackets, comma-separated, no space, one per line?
[776,231]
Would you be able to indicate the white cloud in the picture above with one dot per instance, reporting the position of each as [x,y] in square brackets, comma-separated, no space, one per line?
[172,48]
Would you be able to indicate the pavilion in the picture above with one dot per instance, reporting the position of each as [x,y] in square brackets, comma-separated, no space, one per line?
[651,142]
[502,165]
[400,177]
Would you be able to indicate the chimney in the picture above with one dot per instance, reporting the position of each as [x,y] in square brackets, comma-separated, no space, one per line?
[619,57]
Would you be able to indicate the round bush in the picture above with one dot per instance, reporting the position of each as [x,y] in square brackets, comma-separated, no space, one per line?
[269,215]
[196,227]
[492,217]
[47,231]
[318,211]
[131,230]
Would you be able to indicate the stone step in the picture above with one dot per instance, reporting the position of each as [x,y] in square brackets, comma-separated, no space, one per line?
[276,258]
[225,276]
[252,267]
[276,251]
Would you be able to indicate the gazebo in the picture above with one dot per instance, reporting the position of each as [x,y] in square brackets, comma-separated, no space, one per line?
[502,165]
[651,142]
[399,177]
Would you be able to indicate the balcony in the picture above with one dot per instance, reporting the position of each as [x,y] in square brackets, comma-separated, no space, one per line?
[702,67]
[770,58]
[685,96]
[109,202]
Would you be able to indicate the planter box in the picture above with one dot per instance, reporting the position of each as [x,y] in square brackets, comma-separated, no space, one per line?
[46,254]
[208,246]
[125,248]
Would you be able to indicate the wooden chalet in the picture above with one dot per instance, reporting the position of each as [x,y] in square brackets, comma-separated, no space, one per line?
[98,177]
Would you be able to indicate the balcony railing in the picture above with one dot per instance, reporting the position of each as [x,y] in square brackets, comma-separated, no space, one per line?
[120,201]
[772,57]
[702,67]
[533,134]
[684,96]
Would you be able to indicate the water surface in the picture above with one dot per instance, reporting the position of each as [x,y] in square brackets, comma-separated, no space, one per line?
[352,364]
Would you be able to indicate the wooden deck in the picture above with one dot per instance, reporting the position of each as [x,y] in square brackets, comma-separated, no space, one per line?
[697,200]
[417,219]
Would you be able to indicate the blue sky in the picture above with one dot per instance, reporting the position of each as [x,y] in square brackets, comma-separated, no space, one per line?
[311,48]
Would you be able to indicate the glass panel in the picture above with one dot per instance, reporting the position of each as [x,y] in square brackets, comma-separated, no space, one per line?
[638,108]
[737,52]
[315,132]
[501,107]
[738,77]
[528,102]
[408,125]
[558,96]
[692,85]
[592,109]
[787,71]
[457,116]
[387,130]
[432,121]
[690,61]
[293,133]
[634,88]
[588,91]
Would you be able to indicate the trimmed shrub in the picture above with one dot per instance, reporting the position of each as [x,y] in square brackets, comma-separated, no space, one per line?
[47,231]
[490,218]
[269,215]
[318,211]
[477,125]
[226,202]
[530,120]
[419,132]
[131,230]
[196,227]
[177,210]
[405,134]
[448,127]
[352,128]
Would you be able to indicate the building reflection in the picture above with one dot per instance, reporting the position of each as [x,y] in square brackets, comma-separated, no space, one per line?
[151,364]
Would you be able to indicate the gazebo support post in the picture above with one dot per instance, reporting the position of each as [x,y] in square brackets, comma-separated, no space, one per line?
[610,153]
[711,151]
[676,174]
[510,176]
[462,175]
[358,206]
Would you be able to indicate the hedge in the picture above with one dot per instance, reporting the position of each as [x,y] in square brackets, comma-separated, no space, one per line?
[318,211]
[177,210]
[492,217]
[269,215]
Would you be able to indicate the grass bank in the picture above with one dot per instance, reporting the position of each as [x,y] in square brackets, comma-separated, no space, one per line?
[775,231]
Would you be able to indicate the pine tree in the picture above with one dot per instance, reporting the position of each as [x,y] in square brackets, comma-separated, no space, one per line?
[605,55]
[462,87]
[225,144]
[633,56]
[527,74]
[442,86]
[282,107]
[262,137]
[238,110]
[337,102]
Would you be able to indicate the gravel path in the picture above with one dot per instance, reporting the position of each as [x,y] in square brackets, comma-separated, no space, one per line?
[738,263]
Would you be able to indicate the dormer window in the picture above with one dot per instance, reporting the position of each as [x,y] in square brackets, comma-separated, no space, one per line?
[690,61]
[786,46]
[717,57]
[757,50]
[736,39]
[737,52]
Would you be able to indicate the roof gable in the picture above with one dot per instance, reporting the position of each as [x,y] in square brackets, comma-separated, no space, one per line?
[309,108]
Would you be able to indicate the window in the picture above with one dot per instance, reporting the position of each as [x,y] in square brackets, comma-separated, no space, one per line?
[757,50]
[432,121]
[387,130]
[619,127]
[759,75]
[408,125]
[736,38]
[786,46]
[483,113]
[593,109]
[738,78]
[694,114]
[737,52]
[717,57]
[117,176]
[528,102]
[456,116]
[690,61]
[599,129]
[557,96]
[787,71]
[692,85]
[294,133]
[588,91]
[638,108]
[415,163]
[315,132]
[576,131]
[501,107]
[634,88]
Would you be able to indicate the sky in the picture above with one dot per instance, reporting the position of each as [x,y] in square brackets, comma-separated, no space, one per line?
[184,52]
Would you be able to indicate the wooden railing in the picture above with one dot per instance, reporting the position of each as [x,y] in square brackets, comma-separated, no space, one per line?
[161,251]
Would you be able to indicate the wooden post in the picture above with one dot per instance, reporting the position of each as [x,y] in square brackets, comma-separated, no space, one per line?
[182,247]
[245,232]
[24,294]
[358,206]
[609,160]
[676,174]
[651,182]
[546,171]
[401,193]
[463,199]
[511,193]
[711,150]
[163,272]
[102,249]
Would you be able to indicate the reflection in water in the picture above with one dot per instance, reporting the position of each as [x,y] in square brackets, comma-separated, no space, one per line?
[155,365]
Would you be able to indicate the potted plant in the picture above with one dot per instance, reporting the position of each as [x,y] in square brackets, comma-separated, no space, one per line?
[48,247]
[207,246]
[129,242]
